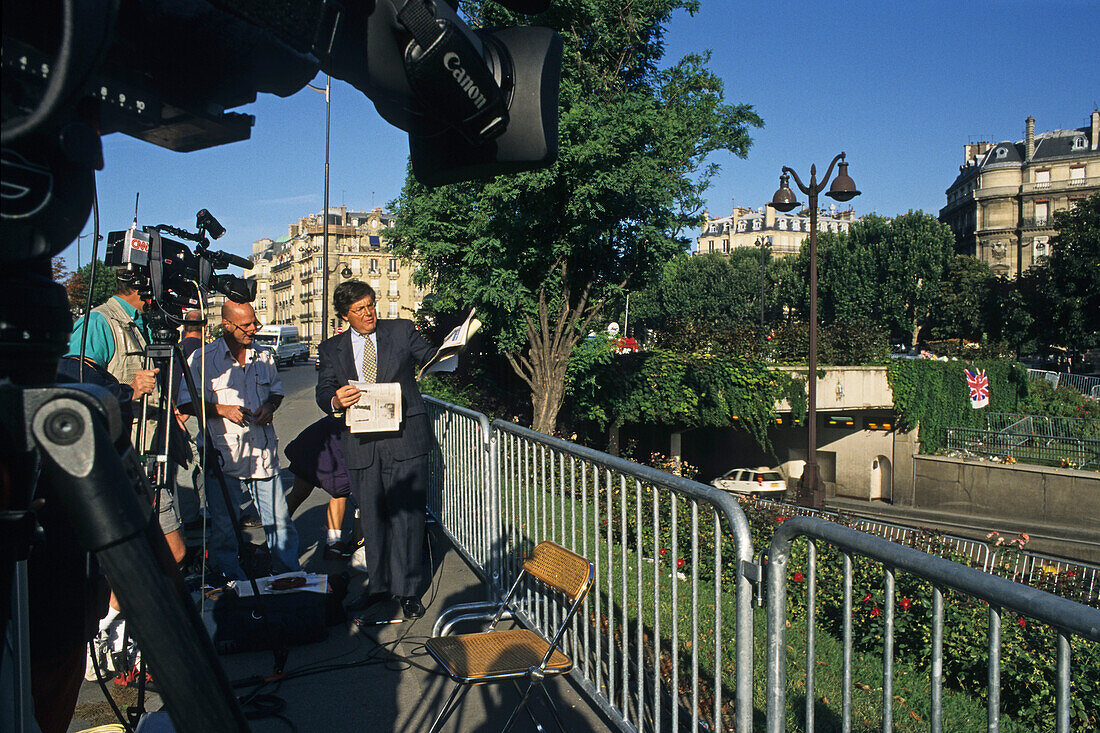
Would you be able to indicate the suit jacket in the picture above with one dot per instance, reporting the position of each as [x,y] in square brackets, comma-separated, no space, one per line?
[401,350]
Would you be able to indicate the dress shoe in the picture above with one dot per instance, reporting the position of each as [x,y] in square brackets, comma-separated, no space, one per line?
[365,600]
[337,551]
[411,607]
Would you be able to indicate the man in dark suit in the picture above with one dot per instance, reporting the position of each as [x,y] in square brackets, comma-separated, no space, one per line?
[388,471]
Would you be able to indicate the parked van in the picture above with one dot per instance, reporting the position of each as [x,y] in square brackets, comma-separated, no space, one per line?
[283,341]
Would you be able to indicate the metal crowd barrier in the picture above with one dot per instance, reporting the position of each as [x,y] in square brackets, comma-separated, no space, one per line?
[1085,384]
[1066,617]
[673,558]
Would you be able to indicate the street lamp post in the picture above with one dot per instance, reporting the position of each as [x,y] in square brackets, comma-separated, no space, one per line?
[324,227]
[843,189]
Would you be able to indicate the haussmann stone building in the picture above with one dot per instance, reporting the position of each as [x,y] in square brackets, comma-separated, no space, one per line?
[1001,204]
[288,270]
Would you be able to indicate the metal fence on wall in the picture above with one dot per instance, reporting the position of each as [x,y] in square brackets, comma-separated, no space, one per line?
[1071,578]
[665,641]
[1085,384]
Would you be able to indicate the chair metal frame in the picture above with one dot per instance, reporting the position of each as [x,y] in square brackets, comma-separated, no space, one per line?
[535,674]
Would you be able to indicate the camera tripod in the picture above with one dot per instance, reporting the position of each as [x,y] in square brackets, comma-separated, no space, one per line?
[65,435]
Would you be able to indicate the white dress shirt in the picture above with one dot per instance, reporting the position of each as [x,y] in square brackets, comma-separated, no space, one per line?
[248,451]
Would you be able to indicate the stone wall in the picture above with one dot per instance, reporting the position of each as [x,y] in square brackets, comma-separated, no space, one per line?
[1017,493]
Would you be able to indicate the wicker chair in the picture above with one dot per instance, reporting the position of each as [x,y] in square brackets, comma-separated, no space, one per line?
[515,654]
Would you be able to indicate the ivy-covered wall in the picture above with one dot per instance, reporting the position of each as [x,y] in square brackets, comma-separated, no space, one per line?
[684,391]
[934,395]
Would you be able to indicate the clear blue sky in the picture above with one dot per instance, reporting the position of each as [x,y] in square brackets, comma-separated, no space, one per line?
[899,87]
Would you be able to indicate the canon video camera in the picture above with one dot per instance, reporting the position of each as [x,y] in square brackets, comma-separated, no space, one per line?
[169,272]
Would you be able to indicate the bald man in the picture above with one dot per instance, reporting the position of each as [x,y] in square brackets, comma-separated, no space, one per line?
[242,390]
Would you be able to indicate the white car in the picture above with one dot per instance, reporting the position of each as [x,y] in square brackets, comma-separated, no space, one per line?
[763,482]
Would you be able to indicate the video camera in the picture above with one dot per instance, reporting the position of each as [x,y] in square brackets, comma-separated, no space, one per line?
[169,272]
[474,102]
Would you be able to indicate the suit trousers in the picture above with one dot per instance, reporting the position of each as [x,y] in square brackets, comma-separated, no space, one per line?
[392,496]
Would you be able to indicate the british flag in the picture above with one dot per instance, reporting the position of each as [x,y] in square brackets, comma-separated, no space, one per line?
[979,388]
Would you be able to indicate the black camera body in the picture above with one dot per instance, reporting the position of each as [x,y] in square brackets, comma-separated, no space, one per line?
[169,272]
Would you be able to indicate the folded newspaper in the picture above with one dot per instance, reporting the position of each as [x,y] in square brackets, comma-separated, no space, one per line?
[446,358]
[378,409]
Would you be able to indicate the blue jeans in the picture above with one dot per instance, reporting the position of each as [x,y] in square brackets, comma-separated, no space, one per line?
[270,500]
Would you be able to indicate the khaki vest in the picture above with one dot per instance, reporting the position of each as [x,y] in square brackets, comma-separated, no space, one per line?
[128,359]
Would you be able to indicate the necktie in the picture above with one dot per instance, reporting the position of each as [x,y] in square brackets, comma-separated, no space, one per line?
[370,361]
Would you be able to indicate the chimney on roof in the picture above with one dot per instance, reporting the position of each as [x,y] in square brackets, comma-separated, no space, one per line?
[1094,137]
[973,150]
[1029,136]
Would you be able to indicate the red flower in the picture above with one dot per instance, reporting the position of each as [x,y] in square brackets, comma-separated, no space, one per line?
[798,577]
[1023,624]
[866,599]
[664,551]
[875,611]
[780,520]
[905,604]
[1071,573]
[680,564]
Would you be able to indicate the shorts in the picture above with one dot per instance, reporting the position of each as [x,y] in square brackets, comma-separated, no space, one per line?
[169,515]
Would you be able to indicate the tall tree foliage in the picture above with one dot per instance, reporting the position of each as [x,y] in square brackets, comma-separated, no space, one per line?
[959,309]
[1073,272]
[885,271]
[77,286]
[708,291]
[541,253]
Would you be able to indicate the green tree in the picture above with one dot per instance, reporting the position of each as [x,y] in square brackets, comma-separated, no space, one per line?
[846,287]
[1011,312]
[1073,272]
[958,310]
[77,286]
[910,260]
[541,253]
[708,292]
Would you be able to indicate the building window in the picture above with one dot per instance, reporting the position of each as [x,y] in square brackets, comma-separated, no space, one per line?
[782,224]
[393,310]
[1079,142]
[756,224]
[1042,211]
[373,265]
[1076,175]
[374,285]
[726,246]
[393,265]
[741,225]
[1002,153]
[1040,245]
[393,288]
[355,268]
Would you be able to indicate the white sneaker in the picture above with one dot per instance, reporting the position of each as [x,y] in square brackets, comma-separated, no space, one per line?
[101,648]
